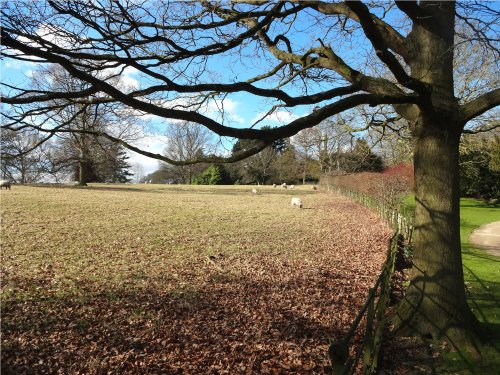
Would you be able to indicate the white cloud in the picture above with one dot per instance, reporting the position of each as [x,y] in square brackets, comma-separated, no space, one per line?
[123,77]
[52,34]
[227,106]
[129,83]
[18,64]
[128,78]
[152,143]
[275,118]
[213,109]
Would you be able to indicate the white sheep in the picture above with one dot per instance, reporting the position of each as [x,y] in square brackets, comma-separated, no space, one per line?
[274,185]
[296,202]
[254,191]
[283,185]
[6,184]
[292,187]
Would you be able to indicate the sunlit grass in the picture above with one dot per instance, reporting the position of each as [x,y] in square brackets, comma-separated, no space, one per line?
[98,277]
[482,280]
[141,230]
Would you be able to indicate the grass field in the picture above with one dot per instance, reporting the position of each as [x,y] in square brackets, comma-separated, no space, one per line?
[482,279]
[180,279]
[482,271]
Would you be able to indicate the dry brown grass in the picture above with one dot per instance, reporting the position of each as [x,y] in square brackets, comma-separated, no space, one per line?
[180,279]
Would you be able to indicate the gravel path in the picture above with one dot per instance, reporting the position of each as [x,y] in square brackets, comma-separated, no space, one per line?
[487,237]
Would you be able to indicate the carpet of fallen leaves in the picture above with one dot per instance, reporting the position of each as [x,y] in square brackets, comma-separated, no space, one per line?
[181,280]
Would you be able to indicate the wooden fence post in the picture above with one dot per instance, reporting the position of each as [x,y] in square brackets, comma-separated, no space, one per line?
[368,342]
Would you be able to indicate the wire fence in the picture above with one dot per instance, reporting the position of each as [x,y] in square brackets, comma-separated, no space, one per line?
[396,219]
[366,355]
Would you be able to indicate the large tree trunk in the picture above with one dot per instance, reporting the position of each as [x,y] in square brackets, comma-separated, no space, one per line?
[83,168]
[305,170]
[435,303]
[23,171]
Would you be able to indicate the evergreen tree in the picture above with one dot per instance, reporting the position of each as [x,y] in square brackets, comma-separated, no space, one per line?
[479,168]
[106,162]
[360,159]
[210,176]
[121,171]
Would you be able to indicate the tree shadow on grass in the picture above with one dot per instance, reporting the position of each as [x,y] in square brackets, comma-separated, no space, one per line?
[469,251]
[233,324]
[484,302]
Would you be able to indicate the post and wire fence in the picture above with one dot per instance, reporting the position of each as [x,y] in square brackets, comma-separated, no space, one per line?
[365,357]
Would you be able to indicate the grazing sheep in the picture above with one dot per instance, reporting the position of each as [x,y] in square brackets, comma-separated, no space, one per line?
[6,184]
[292,186]
[296,202]
[254,191]
[283,185]
[274,185]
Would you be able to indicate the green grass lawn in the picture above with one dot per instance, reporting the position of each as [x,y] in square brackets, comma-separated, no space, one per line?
[481,270]
[482,280]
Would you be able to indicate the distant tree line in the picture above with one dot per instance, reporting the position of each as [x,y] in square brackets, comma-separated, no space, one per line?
[26,157]
[301,159]
[480,166]
[328,149]
[25,160]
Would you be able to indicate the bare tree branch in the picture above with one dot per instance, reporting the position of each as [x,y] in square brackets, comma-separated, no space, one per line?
[417,14]
[394,39]
[25,97]
[479,105]
[484,129]
[381,47]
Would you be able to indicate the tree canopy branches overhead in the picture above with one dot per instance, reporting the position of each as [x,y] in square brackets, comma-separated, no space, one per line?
[283,56]
[173,47]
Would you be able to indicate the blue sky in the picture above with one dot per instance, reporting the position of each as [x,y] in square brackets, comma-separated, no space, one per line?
[241,110]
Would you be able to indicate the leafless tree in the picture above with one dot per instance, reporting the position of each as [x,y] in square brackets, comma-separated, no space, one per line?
[193,54]
[21,160]
[77,123]
[259,168]
[186,141]
[336,136]
[138,171]
[308,143]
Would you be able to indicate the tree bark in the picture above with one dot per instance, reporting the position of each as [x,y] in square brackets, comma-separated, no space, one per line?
[435,303]
[82,164]
[305,170]
[23,171]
